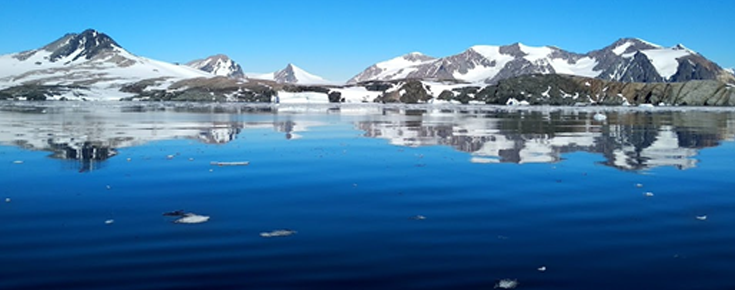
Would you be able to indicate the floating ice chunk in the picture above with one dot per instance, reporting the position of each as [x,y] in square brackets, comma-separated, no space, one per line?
[638,185]
[599,117]
[7,199]
[18,162]
[701,217]
[542,269]
[278,233]
[109,222]
[108,187]
[507,284]
[645,106]
[649,194]
[170,157]
[190,218]
[128,159]
[418,217]
[237,163]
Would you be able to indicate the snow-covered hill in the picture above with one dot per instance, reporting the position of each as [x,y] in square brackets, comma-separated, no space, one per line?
[219,65]
[291,75]
[395,68]
[90,59]
[628,59]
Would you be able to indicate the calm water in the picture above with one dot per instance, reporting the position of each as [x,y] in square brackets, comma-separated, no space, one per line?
[502,192]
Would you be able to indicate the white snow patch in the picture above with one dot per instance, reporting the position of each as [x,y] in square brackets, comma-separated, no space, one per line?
[357,94]
[582,67]
[535,53]
[621,48]
[664,60]
[302,98]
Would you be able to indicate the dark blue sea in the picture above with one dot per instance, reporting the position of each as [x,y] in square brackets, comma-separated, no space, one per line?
[365,197]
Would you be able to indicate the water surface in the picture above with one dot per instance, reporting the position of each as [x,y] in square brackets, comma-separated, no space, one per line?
[502,192]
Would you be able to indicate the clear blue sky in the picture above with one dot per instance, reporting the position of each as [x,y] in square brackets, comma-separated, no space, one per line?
[337,39]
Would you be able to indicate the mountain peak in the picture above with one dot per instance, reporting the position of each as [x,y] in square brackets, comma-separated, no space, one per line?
[85,45]
[218,64]
[292,74]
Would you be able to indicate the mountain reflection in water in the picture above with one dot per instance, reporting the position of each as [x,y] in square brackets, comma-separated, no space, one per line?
[629,139]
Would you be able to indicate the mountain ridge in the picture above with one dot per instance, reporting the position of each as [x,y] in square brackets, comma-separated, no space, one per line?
[618,61]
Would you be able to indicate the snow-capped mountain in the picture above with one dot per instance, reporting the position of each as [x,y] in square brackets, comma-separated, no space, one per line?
[90,59]
[219,65]
[628,59]
[395,68]
[292,75]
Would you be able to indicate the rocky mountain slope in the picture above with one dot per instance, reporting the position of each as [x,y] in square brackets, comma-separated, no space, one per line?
[219,65]
[627,60]
[90,60]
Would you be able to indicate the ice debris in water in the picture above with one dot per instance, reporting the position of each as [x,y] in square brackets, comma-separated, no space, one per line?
[187,218]
[649,194]
[277,233]
[599,117]
[7,199]
[109,222]
[702,217]
[18,162]
[170,157]
[507,284]
[638,185]
[238,163]
[542,269]
[191,218]
[418,217]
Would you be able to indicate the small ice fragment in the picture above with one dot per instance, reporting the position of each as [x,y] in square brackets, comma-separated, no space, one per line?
[238,163]
[702,217]
[638,185]
[542,269]
[191,159]
[211,170]
[649,194]
[191,218]
[7,199]
[109,222]
[128,159]
[18,162]
[599,117]
[170,157]
[507,284]
[645,106]
[418,217]
[277,233]
[108,187]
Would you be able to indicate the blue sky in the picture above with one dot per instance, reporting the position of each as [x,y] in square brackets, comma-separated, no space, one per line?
[338,39]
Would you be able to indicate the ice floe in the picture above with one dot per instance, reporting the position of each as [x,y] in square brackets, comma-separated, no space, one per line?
[507,284]
[278,233]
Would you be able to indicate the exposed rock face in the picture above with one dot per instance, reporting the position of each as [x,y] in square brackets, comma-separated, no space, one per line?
[217,89]
[412,92]
[219,65]
[569,90]
[639,69]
